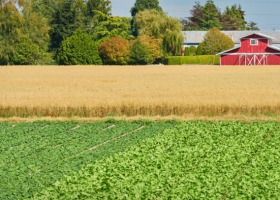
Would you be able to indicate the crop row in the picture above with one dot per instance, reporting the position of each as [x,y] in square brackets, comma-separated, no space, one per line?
[59,149]
[194,160]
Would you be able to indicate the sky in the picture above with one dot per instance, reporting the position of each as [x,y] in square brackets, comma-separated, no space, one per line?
[266,13]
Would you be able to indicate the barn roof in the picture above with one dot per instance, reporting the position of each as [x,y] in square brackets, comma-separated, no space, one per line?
[196,37]
[228,50]
[261,35]
[274,47]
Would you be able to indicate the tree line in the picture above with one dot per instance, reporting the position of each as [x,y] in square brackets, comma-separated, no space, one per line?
[73,32]
[205,17]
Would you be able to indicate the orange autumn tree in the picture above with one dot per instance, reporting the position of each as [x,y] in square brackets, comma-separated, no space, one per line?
[115,51]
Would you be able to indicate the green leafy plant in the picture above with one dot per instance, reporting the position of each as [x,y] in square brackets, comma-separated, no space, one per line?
[35,155]
[217,160]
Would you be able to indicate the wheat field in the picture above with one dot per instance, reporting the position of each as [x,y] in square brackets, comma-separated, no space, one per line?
[99,91]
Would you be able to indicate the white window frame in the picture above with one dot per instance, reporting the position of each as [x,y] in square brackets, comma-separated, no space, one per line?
[255,43]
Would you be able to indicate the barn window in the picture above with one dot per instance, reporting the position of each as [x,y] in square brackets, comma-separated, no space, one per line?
[254,42]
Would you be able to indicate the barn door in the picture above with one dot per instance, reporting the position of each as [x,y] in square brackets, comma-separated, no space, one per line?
[256,59]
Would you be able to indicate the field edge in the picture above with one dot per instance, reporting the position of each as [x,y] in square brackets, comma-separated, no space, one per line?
[243,118]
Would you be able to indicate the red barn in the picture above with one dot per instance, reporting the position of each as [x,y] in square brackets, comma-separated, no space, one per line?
[254,49]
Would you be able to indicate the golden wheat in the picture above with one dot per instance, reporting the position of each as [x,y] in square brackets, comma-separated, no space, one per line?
[98,91]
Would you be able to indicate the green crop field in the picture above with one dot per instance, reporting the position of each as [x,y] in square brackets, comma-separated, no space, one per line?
[35,155]
[140,160]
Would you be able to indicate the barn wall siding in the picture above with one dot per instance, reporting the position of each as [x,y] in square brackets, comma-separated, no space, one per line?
[230,60]
[234,60]
[230,57]
[274,60]
[246,47]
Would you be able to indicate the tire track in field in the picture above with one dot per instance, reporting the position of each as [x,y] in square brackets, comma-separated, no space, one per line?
[90,149]
[39,138]
[46,146]
[108,141]
[74,128]
[44,127]
[81,137]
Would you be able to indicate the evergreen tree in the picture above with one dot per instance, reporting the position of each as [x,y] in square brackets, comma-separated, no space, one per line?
[68,17]
[103,6]
[252,26]
[210,16]
[141,5]
[46,8]
[110,26]
[233,18]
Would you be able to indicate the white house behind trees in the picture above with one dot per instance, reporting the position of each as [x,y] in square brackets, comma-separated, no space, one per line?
[196,37]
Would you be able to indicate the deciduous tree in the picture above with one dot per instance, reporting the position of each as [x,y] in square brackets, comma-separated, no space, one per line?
[153,45]
[141,5]
[145,50]
[194,21]
[158,25]
[115,51]
[24,35]
[215,41]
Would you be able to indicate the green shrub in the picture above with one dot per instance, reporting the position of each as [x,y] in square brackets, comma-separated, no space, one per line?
[140,54]
[199,49]
[79,49]
[192,50]
[187,51]
[192,60]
